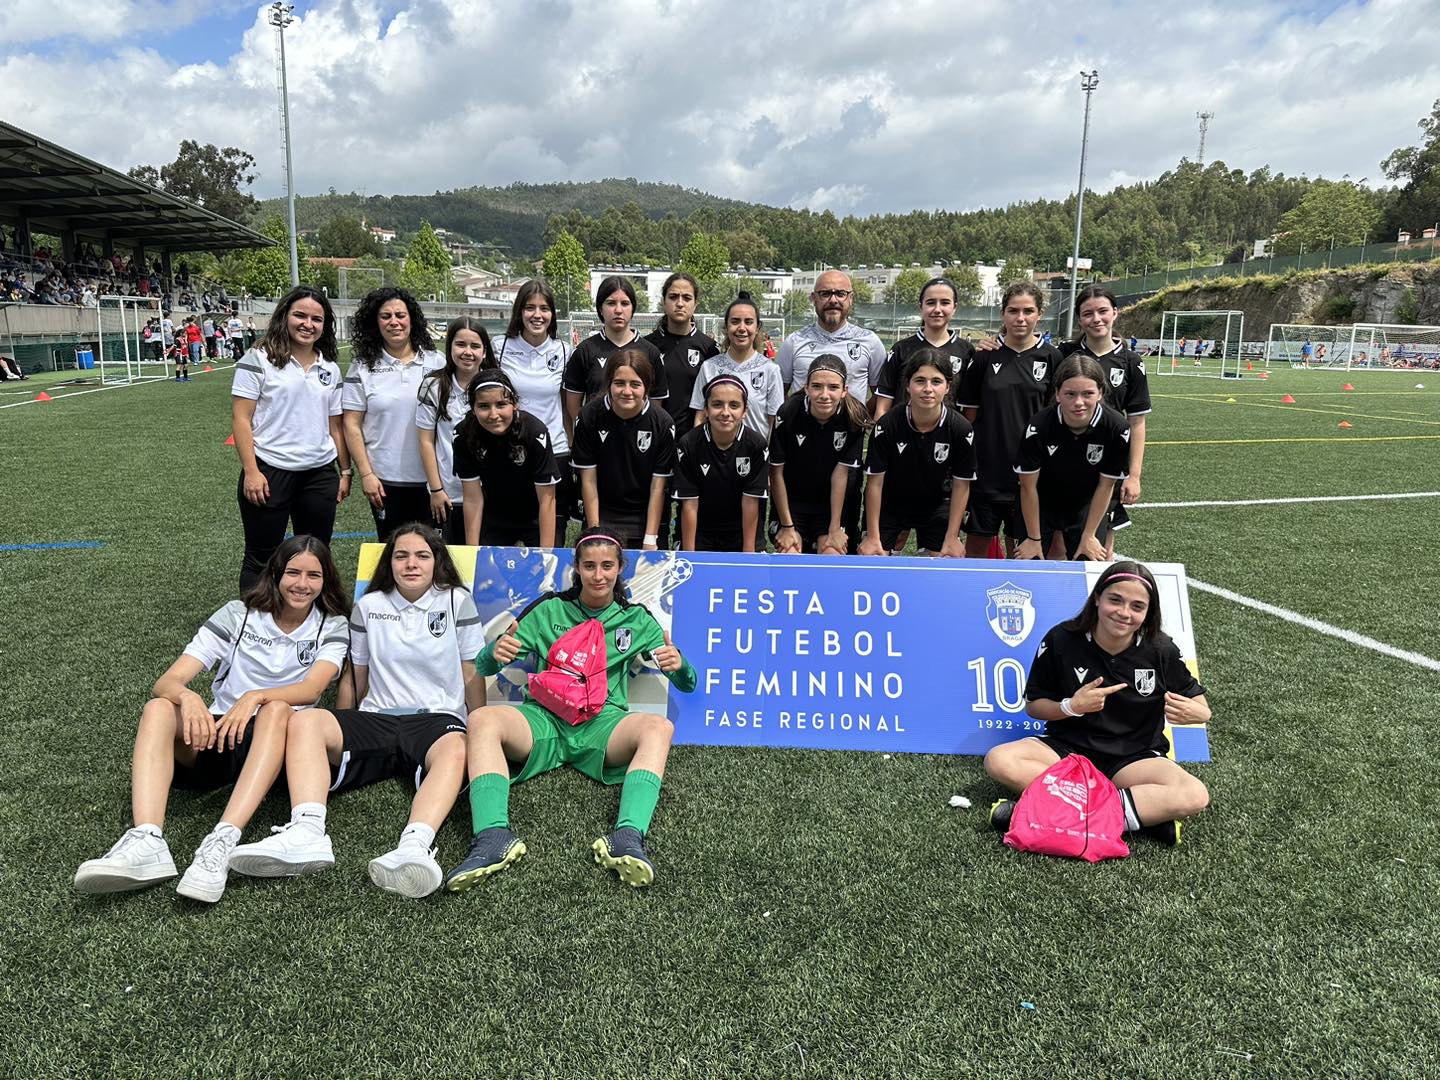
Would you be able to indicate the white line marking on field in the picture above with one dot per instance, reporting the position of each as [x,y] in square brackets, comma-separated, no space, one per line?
[1286,501]
[96,390]
[1418,659]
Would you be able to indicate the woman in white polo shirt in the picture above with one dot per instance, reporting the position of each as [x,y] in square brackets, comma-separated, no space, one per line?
[277,650]
[533,357]
[392,353]
[285,415]
[414,636]
[444,402]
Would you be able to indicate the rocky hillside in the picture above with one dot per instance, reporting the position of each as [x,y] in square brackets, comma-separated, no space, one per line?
[1393,293]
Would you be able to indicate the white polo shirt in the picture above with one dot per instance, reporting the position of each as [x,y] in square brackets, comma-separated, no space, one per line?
[416,652]
[255,654]
[388,397]
[236,328]
[428,418]
[293,407]
[536,374]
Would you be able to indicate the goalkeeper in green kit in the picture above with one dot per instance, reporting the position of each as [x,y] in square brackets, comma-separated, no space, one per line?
[507,744]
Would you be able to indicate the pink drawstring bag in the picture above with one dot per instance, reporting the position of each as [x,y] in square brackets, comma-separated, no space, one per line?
[1071,809]
[573,686]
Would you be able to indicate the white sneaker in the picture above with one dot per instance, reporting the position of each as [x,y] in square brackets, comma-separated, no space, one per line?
[205,877]
[289,850]
[410,870]
[139,858]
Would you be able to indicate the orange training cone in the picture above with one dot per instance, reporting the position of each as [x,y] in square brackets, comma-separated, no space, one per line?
[1345,423]
[1288,399]
[209,368]
[1347,386]
[42,396]
[1264,374]
[230,440]
[1249,365]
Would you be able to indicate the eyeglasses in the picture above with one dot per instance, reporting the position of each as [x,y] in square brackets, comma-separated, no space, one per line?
[832,294]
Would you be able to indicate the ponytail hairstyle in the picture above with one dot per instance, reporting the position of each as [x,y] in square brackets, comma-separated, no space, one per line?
[637,361]
[742,299]
[1088,293]
[470,434]
[1080,365]
[931,358]
[1024,288]
[857,417]
[593,536]
[527,292]
[265,594]
[446,575]
[442,379]
[1089,615]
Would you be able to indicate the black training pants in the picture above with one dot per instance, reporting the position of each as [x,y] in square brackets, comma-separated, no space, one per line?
[307,497]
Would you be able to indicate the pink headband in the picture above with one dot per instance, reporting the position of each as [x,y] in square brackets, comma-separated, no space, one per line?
[1132,577]
[600,538]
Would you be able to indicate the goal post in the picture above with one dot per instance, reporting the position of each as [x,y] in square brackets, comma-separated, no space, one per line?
[122,352]
[1201,343]
[1303,345]
[1393,347]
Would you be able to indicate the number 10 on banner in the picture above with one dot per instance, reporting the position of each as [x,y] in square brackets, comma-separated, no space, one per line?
[1008,679]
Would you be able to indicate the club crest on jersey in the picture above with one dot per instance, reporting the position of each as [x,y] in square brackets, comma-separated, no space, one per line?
[305,652]
[1093,453]
[642,441]
[1040,368]
[856,351]
[942,453]
[742,466]
[517,455]
[1117,376]
[622,639]
[692,357]
[435,622]
[839,440]
[553,363]
[1010,613]
[324,376]
[1145,681]
[757,381]
[955,364]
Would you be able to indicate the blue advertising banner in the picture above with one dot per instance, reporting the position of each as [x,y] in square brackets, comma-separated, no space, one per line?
[894,654]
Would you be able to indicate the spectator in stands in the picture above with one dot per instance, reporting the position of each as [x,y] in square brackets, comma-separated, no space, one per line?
[235,332]
[87,298]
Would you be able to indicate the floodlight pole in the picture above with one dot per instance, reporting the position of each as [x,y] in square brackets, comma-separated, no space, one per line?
[280,18]
[1089,80]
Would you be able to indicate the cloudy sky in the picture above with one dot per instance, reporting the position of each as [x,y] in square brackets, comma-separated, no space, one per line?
[850,105]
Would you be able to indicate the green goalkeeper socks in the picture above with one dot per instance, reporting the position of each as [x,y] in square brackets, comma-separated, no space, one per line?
[489,802]
[638,798]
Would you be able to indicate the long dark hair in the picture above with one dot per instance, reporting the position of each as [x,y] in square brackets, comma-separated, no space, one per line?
[1089,615]
[923,358]
[265,594]
[857,417]
[597,534]
[446,575]
[743,299]
[1088,293]
[532,288]
[365,338]
[276,341]
[442,380]
[636,361]
[679,275]
[469,433]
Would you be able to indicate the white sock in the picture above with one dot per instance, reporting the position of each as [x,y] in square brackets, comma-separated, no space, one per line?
[309,815]
[230,833]
[417,832]
[1132,818]
[153,830]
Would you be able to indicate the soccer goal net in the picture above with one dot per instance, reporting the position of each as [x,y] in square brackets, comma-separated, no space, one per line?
[1206,343]
[1388,347]
[1305,345]
[128,342]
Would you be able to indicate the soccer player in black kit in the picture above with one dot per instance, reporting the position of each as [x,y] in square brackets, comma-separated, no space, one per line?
[721,474]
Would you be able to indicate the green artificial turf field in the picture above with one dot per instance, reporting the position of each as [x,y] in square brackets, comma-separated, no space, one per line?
[816,914]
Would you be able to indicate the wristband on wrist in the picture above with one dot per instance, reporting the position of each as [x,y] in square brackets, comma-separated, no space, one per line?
[349,470]
[1033,539]
[435,491]
[651,538]
[1067,708]
[791,526]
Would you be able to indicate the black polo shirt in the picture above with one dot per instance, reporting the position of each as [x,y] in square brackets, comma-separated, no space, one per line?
[681,357]
[1071,463]
[1133,719]
[1006,389]
[892,371]
[509,469]
[625,454]
[918,466]
[1128,388]
[810,450]
[585,370]
[720,479]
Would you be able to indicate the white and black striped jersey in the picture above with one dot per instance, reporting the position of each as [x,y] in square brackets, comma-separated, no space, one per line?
[252,653]
[414,653]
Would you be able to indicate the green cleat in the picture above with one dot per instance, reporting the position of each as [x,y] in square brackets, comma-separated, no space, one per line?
[624,852]
[1000,812]
[1166,832]
[491,851]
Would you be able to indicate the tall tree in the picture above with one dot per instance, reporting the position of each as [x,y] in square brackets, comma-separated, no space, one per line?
[1418,203]
[427,266]
[1332,214]
[214,177]
[905,289]
[568,272]
[265,271]
[707,259]
[968,285]
[346,237]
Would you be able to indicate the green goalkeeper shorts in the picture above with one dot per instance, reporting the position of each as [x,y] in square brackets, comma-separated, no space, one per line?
[580,745]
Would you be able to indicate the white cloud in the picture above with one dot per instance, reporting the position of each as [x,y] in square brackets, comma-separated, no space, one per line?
[850,106]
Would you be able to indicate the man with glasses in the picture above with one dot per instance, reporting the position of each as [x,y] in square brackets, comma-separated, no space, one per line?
[833,333]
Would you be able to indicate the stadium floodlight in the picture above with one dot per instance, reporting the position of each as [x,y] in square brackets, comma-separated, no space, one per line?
[1089,80]
[281,16]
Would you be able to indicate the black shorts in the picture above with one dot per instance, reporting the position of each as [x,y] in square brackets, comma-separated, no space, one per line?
[379,746]
[630,531]
[929,529]
[214,768]
[1109,764]
[1073,531]
[988,516]
[1119,516]
[810,524]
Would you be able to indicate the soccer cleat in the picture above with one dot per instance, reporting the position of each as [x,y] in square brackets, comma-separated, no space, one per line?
[1000,813]
[206,875]
[491,851]
[139,858]
[1165,832]
[624,852]
[410,870]
[290,849]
